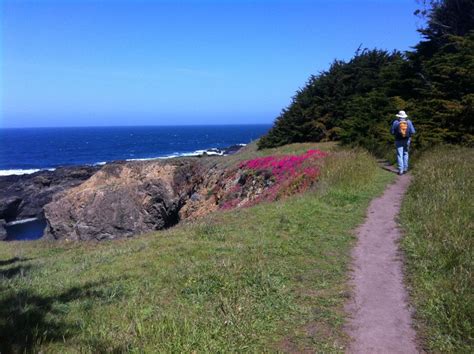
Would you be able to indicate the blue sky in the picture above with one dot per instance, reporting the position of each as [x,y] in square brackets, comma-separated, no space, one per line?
[144,62]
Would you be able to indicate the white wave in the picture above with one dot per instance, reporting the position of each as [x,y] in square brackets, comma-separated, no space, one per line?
[23,221]
[153,158]
[183,154]
[23,172]
[17,172]
[215,153]
[194,153]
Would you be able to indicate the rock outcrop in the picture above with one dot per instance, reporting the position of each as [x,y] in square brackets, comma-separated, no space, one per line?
[3,230]
[23,197]
[122,200]
[117,200]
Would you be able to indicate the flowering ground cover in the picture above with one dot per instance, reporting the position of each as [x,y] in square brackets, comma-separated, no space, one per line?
[272,177]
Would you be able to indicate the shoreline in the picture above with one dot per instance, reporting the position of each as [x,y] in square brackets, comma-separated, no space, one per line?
[229,150]
[23,196]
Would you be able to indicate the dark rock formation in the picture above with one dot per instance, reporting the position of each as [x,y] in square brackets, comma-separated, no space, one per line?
[122,200]
[233,149]
[24,196]
[3,231]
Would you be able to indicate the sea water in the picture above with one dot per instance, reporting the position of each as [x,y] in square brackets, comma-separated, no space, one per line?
[28,150]
[25,230]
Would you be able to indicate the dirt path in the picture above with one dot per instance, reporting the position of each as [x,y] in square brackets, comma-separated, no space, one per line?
[380,320]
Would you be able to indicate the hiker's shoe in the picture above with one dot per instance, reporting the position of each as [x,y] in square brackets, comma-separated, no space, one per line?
[400,173]
[406,171]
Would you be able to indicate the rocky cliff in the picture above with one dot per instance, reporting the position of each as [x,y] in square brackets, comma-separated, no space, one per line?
[23,197]
[117,200]
[129,198]
[122,200]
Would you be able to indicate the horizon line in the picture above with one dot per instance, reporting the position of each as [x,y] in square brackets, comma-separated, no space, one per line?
[136,126]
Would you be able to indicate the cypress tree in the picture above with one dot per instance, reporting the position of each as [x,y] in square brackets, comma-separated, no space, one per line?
[355,101]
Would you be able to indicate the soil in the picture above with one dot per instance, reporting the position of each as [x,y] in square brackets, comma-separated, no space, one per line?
[380,317]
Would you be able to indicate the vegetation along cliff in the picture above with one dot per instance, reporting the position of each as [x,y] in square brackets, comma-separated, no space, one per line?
[354,101]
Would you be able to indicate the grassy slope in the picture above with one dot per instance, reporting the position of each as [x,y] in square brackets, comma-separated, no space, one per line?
[438,215]
[270,277]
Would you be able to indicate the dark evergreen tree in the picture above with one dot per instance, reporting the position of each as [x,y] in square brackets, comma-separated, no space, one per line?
[321,110]
[355,101]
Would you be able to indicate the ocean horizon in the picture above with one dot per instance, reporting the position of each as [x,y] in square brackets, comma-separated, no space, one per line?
[28,150]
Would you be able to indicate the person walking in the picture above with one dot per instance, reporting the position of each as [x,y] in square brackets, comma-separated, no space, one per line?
[402,129]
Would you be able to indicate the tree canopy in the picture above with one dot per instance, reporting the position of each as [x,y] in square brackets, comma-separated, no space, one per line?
[355,101]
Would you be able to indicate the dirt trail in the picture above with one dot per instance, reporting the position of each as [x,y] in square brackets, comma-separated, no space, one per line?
[380,320]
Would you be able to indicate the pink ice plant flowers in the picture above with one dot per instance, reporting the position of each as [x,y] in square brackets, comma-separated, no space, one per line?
[284,166]
[291,174]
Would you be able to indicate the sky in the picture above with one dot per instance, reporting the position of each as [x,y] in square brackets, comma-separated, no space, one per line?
[145,62]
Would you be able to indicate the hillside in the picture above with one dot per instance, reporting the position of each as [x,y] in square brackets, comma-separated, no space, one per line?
[267,276]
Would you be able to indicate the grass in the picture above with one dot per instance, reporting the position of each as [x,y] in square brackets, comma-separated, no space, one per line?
[267,278]
[438,216]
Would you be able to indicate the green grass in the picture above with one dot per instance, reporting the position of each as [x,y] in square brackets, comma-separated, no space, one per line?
[438,216]
[267,278]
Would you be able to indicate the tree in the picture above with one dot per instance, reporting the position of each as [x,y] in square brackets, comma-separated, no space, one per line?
[355,101]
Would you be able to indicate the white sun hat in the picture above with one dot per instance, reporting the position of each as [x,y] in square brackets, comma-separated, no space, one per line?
[402,115]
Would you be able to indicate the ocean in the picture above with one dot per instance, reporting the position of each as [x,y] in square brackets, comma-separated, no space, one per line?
[28,150]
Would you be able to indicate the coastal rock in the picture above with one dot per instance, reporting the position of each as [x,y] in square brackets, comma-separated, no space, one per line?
[24,196]
[3,231]
[233,149]
[122,200]
[229,150]
[205,196]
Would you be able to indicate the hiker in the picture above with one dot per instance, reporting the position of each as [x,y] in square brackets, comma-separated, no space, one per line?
[403,129]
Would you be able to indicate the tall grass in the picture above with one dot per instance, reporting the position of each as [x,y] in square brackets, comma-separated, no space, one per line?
[438,216]
[267,278]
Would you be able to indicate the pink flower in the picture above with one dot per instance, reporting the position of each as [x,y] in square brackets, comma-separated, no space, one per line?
[290,174]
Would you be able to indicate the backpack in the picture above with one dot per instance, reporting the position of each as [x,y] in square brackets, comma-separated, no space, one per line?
[403,128]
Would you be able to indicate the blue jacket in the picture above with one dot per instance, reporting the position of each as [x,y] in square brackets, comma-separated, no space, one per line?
[394,129]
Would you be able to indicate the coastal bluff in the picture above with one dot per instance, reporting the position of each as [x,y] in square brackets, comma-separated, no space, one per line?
[24,196]
[120,199]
